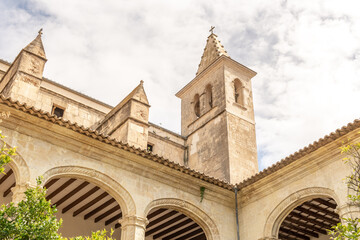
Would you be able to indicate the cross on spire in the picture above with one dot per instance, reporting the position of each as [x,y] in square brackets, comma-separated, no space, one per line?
[212,29]
[40,31]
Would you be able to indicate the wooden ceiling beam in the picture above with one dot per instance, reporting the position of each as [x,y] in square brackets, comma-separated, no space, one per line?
[199,237]
[61,188]
[170,229]
[326,203]
[191,234]
[316,215]
[6,176]
[298,229]
[284,237]
[162,218]
[80,199]
[154,214]
[116,217]
[295,234]
[51,182]
[89,204]
[306,225]
[107,213]
[180,232]
[8,191]
[320,209]
[72,193]
[310,220]
[99,208]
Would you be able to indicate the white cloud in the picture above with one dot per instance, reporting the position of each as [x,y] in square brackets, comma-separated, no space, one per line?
[306,54]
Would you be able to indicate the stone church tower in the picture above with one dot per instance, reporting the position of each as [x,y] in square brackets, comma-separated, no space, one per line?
[217,116]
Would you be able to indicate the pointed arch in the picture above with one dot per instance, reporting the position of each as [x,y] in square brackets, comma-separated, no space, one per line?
[118,192]
[279,213]
[205,222]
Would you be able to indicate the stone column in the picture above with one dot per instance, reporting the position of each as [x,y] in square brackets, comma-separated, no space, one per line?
[19,192]
[133,227]
[348,210]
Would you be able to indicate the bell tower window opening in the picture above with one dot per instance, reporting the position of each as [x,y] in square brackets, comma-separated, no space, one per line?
[209,97]
[197,105]
[239,92]
[57,111]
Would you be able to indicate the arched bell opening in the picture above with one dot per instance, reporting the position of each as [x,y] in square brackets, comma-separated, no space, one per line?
[7,181]
[83,206]
[169,224]
[310,220]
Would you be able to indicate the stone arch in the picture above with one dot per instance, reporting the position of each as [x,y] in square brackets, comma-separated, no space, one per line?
[205,222]
[279,213]
[118,192]
[19,167]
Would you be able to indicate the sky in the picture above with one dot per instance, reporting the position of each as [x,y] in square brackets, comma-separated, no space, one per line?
[306,54]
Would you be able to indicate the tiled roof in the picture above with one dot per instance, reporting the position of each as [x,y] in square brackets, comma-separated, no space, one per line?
[105,139]
[301,153]
[154,157]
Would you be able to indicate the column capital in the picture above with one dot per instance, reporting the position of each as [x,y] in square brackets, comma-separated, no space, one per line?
[133,227]
[348,210]
[134,221]
[19,191]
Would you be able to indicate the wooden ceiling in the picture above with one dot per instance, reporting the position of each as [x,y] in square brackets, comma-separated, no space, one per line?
[88,202]
[7,181]
[85,200]
[309,220]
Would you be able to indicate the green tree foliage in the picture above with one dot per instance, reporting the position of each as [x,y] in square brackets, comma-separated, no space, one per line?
[350,227]
[5,152]
[34,217]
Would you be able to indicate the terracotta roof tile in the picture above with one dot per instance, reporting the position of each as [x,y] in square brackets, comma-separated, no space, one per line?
[95,135]
[300,153]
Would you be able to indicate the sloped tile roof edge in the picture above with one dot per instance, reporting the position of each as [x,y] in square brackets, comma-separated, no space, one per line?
[95,135]
[300,153]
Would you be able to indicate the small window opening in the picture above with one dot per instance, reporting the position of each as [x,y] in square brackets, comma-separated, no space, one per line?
[197,105]
[238,92]
[150,147]
[58,111]
[209,96]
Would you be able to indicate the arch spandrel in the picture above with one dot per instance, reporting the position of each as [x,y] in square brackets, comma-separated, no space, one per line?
[279,213]
[118,192]
[205,222]
[20,167]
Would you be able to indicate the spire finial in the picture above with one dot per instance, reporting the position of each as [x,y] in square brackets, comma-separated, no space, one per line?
[40,31]
[141,82]
[212,29]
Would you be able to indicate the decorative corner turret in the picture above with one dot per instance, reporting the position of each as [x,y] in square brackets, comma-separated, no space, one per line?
[129,120]
[22,80]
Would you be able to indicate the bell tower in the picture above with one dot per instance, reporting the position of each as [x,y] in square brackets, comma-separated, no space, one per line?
[217,116]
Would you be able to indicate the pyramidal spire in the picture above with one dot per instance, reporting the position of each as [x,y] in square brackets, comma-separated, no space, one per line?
[36,46]
[213,50]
